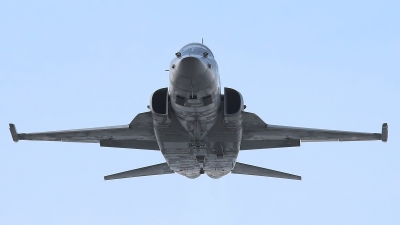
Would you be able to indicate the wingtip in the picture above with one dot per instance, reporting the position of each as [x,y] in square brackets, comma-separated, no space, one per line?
[385,132]
[295,177]
[14,133]
[108,177]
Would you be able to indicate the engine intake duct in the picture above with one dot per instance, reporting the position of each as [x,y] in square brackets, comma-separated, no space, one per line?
[159,101]
[233,101]
[159,108]
[233,107]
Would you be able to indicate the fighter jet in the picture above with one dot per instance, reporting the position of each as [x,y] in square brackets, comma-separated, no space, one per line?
[198,129]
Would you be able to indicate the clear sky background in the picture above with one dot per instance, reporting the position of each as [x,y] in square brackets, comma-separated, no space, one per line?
[319,64]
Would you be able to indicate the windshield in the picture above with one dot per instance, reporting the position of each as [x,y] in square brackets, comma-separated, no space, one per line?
[195,49]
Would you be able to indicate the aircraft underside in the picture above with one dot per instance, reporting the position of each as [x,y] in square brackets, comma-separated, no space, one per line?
[192,157]
[198,129]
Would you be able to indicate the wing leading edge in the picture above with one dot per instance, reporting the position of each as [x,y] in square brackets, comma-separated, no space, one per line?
[138,134]
[255,131]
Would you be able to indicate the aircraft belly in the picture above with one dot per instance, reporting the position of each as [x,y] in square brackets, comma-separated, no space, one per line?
[214,154]
[208,143]
[185,161]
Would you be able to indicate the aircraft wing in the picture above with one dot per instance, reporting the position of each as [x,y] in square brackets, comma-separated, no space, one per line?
[138,134]
[257,134]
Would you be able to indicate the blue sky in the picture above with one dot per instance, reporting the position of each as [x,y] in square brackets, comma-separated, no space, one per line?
[332,65]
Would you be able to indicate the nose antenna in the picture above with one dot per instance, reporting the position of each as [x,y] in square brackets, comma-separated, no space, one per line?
[201,40]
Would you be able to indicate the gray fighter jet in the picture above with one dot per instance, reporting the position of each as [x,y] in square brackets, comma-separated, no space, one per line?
[198,129]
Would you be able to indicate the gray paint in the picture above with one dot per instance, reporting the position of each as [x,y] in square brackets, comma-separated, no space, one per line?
[241,168]
[191,126]
[158,169]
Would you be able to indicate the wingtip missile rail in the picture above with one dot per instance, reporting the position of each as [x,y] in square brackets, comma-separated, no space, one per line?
[385,132]
[14,133]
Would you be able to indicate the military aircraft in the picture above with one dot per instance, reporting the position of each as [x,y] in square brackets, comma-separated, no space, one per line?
[197,129]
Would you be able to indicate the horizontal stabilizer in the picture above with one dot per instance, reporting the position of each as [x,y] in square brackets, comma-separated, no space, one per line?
[158,169]
[241,168]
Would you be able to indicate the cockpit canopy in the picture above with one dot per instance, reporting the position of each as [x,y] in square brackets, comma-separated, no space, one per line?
[196,49]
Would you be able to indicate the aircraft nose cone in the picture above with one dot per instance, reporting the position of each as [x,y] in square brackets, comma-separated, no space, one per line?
[191,66]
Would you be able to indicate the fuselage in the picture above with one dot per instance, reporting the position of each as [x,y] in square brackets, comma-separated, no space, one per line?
[194,89]
[195,101]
